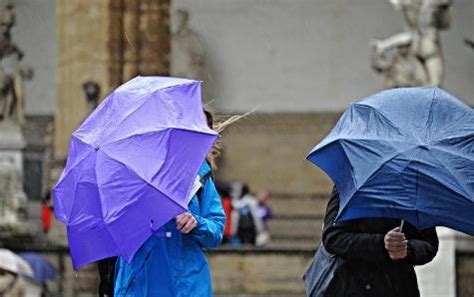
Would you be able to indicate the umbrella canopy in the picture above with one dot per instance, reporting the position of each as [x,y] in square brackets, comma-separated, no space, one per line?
[131,166]
[42,269]
[12,262]
[404,153]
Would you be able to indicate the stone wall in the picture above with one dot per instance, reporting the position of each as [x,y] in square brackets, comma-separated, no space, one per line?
[309,55]
[256,274]
[269,151]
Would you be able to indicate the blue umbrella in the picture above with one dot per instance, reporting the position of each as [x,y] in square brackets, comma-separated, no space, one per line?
[42,269]
[405,153]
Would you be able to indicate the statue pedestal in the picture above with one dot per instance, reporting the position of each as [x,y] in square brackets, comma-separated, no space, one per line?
[12,197]
[12,144]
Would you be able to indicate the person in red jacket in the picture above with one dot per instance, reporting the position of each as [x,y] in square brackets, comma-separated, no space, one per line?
[224,192]
[46,212]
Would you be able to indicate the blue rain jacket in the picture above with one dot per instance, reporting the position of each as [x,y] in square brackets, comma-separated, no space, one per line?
[176,266]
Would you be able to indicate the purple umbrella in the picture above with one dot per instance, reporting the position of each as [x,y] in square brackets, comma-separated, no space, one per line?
[131,167]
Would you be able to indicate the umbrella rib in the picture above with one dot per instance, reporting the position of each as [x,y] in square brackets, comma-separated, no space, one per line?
[189,82]
[379,139]
[132,111]
[356,139]
[449,152]
[468,134]
[76,163]
[451,173]
[354,182]
[176,86]
[152,132]
[454,124]
[383,161]
[73,205]
[429,119]
[133,135]
[380,113]
[381,165]
[118,246]
[76,188]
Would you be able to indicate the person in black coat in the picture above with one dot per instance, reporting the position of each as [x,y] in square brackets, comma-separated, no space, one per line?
[379,260]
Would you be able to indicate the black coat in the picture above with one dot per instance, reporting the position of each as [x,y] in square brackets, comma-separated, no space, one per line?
[368,269]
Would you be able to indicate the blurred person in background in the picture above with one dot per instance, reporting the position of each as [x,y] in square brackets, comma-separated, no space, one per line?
[46,212]
[245,222]
[265,214]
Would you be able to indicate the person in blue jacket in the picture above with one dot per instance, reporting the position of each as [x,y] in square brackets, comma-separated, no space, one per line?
[175,265]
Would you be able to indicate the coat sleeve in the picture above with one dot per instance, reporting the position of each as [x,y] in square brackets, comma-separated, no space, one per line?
[423,249]
[342,238]
[211,219]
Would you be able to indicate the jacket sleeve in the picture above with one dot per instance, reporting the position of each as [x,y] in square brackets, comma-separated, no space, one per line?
[211,219]
[342,238]
[423,249]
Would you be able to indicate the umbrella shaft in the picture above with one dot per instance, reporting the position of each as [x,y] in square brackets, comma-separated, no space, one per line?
[162,234]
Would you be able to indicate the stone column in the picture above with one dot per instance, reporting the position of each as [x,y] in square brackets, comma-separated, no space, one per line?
[131,39]
[83,54]
[154,30]
[115,44]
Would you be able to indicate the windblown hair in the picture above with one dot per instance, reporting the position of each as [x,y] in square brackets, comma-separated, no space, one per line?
[219,125]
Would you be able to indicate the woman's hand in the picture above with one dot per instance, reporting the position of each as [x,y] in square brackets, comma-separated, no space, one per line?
[396,244]
[186,222]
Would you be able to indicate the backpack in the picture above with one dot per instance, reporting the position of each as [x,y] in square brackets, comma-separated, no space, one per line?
[246,219]
[246,230]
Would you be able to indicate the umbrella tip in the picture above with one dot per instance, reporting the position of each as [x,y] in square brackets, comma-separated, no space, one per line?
[424,145]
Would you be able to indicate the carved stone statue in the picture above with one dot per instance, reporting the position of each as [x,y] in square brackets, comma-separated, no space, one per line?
[401,68]
[414,57]
[12,72]
[12,76]
[187,51]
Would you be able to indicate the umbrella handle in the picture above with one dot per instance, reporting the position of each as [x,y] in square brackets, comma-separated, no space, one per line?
[401,226]
[159,233]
